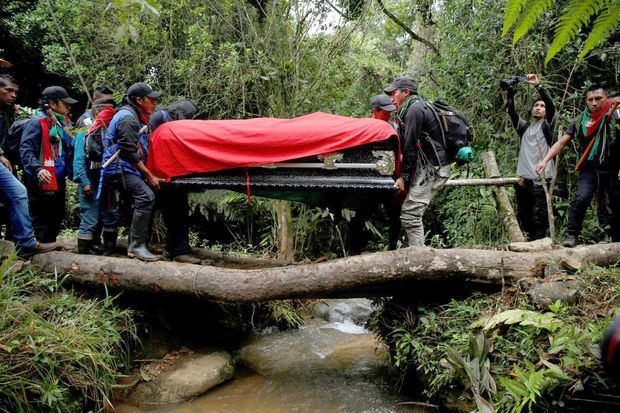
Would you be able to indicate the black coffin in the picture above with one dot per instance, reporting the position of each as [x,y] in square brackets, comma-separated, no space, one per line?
[360,169]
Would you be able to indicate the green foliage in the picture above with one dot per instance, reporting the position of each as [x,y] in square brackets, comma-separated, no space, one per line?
[604,26]
[285,312]
[533,10]
[575,15]
[537,357]
[512,11]
[58,351]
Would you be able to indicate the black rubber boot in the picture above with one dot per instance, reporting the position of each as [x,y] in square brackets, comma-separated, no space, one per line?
[84,246]
[139,231]
[570,241]
[109,242]
[97,247]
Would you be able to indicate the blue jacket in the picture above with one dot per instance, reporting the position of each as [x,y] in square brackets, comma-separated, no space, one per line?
[122,134]
[80,168]
[30,150]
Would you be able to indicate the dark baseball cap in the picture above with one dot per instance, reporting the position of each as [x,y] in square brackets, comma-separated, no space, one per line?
[382,101]
[141,89]
[403,82]
[57,93]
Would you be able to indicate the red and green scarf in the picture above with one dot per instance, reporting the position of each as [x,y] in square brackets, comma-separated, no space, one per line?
[51,146]
[594,127]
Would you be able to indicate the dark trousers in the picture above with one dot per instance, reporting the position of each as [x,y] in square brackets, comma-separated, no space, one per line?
[175,212]
[47,208]
[590,180]
[615,208]
[532,209]
[142,196]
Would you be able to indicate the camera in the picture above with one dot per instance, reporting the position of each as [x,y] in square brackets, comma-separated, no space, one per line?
[511,82]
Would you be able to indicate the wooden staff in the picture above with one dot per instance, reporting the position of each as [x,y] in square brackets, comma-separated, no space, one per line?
[117,153]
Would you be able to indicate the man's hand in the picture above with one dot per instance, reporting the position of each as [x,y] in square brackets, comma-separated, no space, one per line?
[532,79]
[153,181]
[44,176]
[540,168]
[6,163]
[400,184]
[88,191]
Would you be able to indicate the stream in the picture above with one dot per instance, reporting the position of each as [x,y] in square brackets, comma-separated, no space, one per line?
[330,364]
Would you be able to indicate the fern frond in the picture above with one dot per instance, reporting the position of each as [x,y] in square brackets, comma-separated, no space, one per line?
[604,26]
[533,10]
[512,11]
[576,14]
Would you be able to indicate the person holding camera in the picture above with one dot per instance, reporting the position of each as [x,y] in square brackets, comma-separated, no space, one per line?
[46,151]
[597,132]
[536,137]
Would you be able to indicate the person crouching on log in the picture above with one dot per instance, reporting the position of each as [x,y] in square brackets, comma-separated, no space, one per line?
[97,214]
[124,163]
[172,199]
[597,133]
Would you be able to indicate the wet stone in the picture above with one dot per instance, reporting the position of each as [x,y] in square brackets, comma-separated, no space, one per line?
[6,248]
[548,293]
[189,378]
[357,310]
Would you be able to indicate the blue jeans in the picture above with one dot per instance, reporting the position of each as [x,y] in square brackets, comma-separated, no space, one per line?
[14,195]
[97,212]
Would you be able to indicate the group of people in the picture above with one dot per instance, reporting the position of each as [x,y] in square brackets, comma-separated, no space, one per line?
[107,151]
[426,165]
[105,155]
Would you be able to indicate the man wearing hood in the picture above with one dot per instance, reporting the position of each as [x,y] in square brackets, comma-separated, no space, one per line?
[597,134]
[46,151]
[124,163]
[174,201]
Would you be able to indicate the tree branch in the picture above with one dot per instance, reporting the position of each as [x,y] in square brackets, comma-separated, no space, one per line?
[407,29]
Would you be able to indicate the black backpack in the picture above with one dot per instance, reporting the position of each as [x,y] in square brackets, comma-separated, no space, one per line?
[456,129]
[93,145]
[13,140]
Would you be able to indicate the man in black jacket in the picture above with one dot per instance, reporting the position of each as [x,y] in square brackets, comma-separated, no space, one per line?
[536,137]
[426,166]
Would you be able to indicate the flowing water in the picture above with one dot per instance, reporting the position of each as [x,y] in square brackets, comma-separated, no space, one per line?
[321,367]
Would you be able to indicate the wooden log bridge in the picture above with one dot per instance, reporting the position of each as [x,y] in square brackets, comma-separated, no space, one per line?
[353,276]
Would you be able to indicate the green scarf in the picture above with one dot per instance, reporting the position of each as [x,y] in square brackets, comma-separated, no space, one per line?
[402,111]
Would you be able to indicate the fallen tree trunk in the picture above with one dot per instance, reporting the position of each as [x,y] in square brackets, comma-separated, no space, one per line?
[484,182]
[202,253]
[347,276]
[501,197]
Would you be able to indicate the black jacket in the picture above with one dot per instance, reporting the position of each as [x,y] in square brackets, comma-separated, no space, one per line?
[420,125]
[521,125]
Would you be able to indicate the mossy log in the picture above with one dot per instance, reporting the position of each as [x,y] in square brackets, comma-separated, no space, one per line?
[353,276]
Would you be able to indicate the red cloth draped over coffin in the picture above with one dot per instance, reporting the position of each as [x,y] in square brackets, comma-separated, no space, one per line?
[197,146]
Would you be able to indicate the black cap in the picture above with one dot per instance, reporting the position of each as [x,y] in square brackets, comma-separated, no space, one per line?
[382,101]
[141,89]
[403,82]
[57,93]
